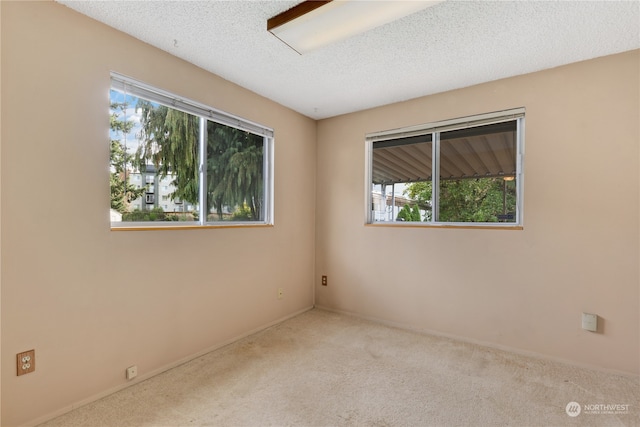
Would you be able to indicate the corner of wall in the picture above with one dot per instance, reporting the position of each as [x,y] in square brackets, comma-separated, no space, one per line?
[0,202]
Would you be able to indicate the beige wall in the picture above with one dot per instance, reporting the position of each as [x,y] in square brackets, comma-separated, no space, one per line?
[526,289]
[91,301]
[0,218]
[71,291]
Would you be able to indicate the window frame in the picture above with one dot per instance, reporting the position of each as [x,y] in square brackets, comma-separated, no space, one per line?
[435,129]
[130,86]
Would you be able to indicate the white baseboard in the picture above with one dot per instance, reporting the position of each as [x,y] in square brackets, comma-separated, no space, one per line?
[488,344]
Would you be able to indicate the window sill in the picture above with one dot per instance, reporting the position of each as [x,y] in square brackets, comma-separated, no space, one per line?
[458,226]
[187,227]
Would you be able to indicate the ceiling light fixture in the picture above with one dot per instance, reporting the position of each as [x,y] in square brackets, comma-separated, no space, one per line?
[313,24]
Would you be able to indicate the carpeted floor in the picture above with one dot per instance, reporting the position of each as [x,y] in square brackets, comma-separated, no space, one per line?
[327,369]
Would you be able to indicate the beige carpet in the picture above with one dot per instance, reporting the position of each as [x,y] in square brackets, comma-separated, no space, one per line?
[327,369]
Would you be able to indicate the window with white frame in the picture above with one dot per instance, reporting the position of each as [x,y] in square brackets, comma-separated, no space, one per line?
[464,171]
[219,164]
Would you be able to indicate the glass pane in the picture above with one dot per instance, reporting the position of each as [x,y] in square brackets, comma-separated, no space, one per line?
[235,174]
[401,179]
[154,161]
[478,174]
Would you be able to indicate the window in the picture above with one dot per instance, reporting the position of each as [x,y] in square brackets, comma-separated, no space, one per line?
[459,172]
[219,164]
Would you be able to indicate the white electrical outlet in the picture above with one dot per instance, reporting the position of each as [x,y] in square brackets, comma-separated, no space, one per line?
[132,372]
[590,322]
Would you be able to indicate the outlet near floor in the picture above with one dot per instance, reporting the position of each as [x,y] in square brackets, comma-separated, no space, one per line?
[132,372]
[26,362]
[590,322]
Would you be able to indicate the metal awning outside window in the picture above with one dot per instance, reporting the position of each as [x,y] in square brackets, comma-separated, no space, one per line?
[478,152]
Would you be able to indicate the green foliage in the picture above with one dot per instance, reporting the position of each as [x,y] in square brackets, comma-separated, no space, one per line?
[155,214]
[122,192]
[415,213]
[409,213]
[421,193]
[117,125]
[234,158]
[170,142]
[469,200]
[234,169]
[242,213]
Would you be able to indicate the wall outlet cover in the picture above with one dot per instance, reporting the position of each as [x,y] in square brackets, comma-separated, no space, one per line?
[590,322]
[26,362]
[132,372]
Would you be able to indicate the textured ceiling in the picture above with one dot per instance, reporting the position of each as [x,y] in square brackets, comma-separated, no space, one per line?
[451,45]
